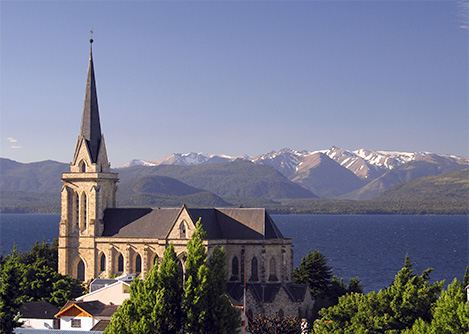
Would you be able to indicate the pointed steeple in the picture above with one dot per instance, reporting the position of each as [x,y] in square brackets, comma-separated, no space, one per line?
[90,124]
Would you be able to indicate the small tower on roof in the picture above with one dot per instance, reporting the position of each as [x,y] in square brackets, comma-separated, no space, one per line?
[89,188]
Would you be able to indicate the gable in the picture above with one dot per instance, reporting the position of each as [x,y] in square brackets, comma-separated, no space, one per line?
[73,311]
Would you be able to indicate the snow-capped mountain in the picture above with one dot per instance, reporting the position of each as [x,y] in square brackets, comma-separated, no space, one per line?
[333,172]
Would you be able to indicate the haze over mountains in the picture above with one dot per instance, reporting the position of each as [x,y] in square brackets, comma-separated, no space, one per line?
[285,178]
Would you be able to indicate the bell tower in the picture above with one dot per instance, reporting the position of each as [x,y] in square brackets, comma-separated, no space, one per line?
[89,189]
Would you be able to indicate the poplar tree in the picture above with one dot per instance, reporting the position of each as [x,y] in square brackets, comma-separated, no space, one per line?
[155,303]
[196,283]
[223,318]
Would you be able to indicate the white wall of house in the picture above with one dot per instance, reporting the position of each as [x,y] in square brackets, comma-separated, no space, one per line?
[114,294]
[37,323]
[86,323]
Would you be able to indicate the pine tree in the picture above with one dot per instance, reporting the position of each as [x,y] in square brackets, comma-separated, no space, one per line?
[168,307]
[223,318]
[10,298]
[196,284]
[314,271]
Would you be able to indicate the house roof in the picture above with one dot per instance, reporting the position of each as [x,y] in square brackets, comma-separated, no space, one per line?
[20,330]
[98,288]
[218,223]
[94,309]
[100,326]
[38,310]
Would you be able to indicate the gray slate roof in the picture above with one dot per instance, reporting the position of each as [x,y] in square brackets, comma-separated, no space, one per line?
[38,310]
[51,331]
[90,123]
[226,223]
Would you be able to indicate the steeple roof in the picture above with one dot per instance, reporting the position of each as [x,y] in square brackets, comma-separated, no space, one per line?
[90,124]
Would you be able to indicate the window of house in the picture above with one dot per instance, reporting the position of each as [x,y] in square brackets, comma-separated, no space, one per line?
[234,269]
[102,263]
[76,323]
[138,264]
[120,264]
[254,270]
[81,270]
[183,230]
[272,269]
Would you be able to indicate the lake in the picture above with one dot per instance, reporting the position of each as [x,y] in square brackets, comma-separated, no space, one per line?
[372,247]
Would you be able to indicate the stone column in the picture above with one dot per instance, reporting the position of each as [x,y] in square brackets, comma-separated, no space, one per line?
[110,261]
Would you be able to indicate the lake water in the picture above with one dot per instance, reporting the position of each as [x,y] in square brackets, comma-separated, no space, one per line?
[372,247]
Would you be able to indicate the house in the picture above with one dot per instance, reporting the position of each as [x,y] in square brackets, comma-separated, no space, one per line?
[99,239]
[39,315]
[84,316]
[110,294]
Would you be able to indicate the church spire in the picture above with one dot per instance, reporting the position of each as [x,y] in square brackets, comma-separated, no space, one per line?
[90,124]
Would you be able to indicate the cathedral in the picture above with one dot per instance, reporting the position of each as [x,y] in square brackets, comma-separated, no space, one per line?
[99,239]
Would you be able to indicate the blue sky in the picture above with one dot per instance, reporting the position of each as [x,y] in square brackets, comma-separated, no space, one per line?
[235,77]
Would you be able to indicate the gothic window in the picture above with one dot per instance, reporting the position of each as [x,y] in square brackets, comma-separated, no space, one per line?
[102,262]
[273,270]
[85,211]
[82,166]
[254,274]
[234,269]
[280,313]
[181,270]
[155,259]
[77,208]
[81,270]
[138,264]
[120,264]
[183,230]
[250,315]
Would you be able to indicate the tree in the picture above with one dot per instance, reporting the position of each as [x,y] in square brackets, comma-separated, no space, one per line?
[155,303]
[196,284]
[223,317]
[451,314]
[313,270]
[10,297]
[394,309]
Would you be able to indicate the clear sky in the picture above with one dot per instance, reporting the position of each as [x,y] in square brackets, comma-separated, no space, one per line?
[235,77]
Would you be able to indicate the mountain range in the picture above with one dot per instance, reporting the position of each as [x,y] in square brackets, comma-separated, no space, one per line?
[332,173]
[285,177]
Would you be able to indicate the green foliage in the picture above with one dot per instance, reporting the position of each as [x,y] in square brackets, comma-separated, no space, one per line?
[10,296]
[196,285]
[391,310]
[155,303]
[223,318]
[38,278]
[283,325]
[450,316]
[313,270]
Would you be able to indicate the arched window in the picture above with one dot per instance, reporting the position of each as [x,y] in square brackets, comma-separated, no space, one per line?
[250,315]
[273,270]
[81,270]
[138,264]
[102,262]
[120,264]
[180,270]
[254,275]
[234,269]
[77,209]
[183,230]
[85,212]
[82,167]
[155,259]
[280,313]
